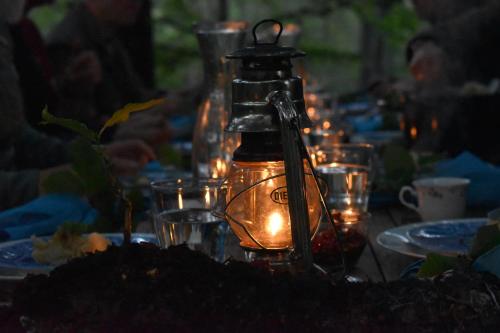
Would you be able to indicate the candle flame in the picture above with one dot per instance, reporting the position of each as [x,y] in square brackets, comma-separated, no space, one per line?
[413,132]
[311,112]
[218,168]
[434,124]
[350,216]
[207,197]
[275,224]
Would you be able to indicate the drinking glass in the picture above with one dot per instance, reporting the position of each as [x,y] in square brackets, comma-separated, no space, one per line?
[347,169]
[182,214]
[327,249]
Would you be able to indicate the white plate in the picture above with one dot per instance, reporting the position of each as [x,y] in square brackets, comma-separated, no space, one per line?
[16,261]
[399,239]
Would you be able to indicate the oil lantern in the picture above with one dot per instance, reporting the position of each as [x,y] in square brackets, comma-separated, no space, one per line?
[272,199]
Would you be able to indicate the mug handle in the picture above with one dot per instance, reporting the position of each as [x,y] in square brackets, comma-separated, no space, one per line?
[402,192]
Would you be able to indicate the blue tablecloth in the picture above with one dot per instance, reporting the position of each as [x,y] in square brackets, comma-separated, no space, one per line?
[484,188]
[43,215]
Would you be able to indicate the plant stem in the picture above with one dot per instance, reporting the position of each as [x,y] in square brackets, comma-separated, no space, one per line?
[127,226]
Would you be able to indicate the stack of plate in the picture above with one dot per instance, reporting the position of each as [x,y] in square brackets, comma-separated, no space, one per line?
[447,237]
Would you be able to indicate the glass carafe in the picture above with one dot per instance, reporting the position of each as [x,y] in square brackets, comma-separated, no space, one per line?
[212,147]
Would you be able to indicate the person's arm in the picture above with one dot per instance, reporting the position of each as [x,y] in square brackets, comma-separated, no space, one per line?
[31,148]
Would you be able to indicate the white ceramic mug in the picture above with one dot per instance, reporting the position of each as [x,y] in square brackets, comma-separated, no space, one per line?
[438,198]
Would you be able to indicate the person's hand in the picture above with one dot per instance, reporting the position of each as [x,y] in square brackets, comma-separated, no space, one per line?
[130,156]
[428,62]
[84,69]
[149,126]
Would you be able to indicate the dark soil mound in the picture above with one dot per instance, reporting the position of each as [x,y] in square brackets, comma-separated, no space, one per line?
[144,289]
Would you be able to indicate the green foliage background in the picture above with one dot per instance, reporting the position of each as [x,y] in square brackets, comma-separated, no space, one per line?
[331,34]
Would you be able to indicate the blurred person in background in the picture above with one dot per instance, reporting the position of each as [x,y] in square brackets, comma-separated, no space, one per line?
[461,44]
[41,87]
[86,44]
[26,155]
[454,63]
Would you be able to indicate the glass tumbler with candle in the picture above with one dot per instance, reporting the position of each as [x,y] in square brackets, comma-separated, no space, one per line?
[182,215]
[352,228]
[348,172]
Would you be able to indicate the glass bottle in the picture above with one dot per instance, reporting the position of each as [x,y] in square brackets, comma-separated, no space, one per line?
[212,147]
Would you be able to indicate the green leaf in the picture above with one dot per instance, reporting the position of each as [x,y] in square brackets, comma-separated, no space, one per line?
[70,124]
[487,238]
[89,163]
[66,181]
[436,264]
[123,114]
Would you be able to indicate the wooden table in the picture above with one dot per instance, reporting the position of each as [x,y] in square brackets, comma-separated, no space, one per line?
[391,263]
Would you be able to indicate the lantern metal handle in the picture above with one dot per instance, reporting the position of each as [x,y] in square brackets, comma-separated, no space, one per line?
[254,31]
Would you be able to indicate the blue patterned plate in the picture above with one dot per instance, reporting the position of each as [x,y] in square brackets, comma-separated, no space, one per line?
[16,260]
[447,236]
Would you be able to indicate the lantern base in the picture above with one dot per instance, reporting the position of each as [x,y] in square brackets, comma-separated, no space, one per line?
[273,260]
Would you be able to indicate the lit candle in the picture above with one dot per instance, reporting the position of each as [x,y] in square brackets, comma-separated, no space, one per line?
[311,112]
[413,132]
[218,168]
[349,216]
[326,124]
[207,197]
[179,199]
[402,124]
[434,124]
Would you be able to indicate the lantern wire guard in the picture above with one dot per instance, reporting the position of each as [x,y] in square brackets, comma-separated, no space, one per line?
[266,109]
[290,131]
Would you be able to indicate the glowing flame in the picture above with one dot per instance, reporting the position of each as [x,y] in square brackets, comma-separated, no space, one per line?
[274,224]
[413,132]
[350,216]
[402,125]
[179,199]
[311,112]
[218,168]
[434,124]
[327,124]
[207,197]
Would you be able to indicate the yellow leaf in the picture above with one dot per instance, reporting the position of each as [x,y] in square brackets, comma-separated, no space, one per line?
[123,114]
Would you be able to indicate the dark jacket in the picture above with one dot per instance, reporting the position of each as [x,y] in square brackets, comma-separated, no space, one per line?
[23,150]
[120,84]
